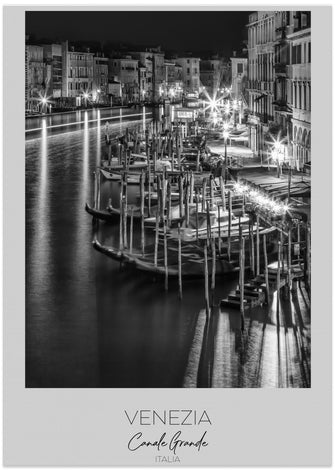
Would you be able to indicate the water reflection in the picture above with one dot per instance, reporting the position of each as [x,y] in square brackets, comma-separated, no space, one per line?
[41,236]
[98,151]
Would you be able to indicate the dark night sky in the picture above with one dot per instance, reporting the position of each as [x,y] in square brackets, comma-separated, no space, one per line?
[217,31]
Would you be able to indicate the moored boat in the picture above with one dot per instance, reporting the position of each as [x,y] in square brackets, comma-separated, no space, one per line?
[192,264]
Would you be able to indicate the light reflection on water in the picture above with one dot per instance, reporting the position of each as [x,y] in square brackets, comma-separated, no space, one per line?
[91,323]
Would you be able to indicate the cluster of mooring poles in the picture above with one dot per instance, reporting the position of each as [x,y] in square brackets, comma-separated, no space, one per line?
[176,203]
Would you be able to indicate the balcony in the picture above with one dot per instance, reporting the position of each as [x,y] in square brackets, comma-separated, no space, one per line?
[280,68]
[282,106]
[263,117]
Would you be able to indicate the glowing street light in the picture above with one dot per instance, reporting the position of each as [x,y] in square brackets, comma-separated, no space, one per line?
[44,100]
[86,98]
[261,200]
[212,103]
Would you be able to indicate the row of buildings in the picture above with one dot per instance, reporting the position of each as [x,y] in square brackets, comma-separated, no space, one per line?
[71,77]
[279,83]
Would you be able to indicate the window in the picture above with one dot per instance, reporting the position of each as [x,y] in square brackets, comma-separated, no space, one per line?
[239,68]
[305,96]
[308,52]
[195,71]
[304,20]
[188,61]
[188,71]
[296,54]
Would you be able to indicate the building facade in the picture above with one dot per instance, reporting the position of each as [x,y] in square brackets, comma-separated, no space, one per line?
[153,60]
[239,72]
[100,79]
[145,60]
[53,58]
[77,74]
[190,73]
[37,76]
[260,87]
[279,83]
[299,83]
[211,74]
[126,71]
[173,84]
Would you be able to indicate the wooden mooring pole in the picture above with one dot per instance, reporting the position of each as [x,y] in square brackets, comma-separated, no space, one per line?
[95,197]
[121,220]
[180,284]
[266,270]
[187,204]
[289,256]
[131,235]
[166,269]
[242,249]
[219,231]
[197,215]
[257,246]
[149,188]
[229,223]
[142,210]
[278,274]
[98,189]
[169,206]
[156,237]
[223,196]
[125,212]
[204,191]
[206,279]
[213,268]
[308,255]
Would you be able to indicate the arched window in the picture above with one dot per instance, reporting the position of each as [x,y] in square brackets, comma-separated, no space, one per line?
[304,138]
[299,138]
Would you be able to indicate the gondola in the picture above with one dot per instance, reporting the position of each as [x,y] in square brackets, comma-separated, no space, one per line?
[192,260]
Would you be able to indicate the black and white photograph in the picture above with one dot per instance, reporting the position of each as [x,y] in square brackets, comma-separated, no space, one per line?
[168,199]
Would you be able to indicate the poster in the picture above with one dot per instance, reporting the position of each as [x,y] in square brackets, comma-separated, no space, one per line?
[142,321]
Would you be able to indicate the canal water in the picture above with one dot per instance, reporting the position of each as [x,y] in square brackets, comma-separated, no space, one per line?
[93,323]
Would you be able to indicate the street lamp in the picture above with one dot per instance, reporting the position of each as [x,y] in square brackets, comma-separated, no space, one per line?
[234,109]
[227,108]
[86,98]
[240,112]
[278,156]
[225,136]
[43,100]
